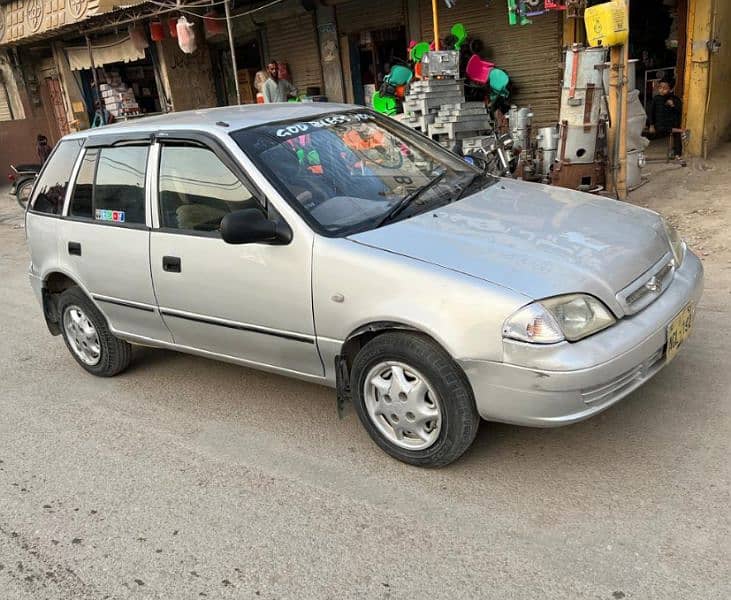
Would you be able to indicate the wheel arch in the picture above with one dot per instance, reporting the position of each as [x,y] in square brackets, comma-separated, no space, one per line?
[358,338]
[54,284]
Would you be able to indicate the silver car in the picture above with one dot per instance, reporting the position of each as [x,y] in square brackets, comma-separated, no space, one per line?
[327,243]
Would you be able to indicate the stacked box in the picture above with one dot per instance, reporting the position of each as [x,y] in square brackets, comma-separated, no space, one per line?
[118,99]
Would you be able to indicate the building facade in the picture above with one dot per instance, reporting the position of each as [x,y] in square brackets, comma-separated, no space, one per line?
[340,49]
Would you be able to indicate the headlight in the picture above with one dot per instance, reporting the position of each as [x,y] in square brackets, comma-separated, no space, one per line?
[571,318]
[677,245]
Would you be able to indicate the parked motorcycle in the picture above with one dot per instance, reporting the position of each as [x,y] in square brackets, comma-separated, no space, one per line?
[23,177]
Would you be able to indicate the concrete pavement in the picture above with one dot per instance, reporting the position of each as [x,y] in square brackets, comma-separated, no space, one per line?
[186,478]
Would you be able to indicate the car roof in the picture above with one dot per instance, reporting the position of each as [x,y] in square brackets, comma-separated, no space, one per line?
[210,119]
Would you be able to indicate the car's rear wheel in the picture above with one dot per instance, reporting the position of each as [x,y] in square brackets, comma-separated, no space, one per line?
[88,337]
[413,399]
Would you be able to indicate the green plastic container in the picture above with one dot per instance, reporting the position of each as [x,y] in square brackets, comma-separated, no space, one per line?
[386,105]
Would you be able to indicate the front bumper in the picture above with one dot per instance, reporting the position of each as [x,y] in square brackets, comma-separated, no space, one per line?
[548,386]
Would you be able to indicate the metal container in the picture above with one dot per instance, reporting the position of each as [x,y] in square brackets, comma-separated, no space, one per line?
[441,63]
[580,143]
[583,108]
[631,74]
[520,120]
[581,67]
[635,161]
[547,142]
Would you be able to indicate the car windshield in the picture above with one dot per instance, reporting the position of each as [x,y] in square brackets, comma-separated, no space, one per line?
[351,171]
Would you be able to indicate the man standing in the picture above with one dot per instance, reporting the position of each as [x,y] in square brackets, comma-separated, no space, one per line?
[275,89]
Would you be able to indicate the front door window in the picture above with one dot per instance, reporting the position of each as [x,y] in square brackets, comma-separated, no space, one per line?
[197,190]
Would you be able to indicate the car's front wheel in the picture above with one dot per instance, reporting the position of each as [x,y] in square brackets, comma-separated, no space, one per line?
[88,337]
[413,399]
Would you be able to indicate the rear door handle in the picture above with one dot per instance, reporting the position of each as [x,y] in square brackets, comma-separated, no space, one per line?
[75,248]
[171,264]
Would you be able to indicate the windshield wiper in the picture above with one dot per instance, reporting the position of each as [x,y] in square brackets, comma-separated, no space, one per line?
[409,198]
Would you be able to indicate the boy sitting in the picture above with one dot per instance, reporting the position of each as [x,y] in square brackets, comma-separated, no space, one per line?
[665,114]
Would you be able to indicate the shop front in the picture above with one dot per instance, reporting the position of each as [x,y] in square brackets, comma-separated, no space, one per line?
[373,37]
[125,74]
[530,53]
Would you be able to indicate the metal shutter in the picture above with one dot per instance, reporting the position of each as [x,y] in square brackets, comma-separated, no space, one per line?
[369,15]
[294,41]
[531,54]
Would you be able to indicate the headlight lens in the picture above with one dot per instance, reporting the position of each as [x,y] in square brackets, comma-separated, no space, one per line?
[571,318]
[677,245]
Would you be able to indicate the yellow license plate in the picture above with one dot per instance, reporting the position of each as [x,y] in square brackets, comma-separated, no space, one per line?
[678,331]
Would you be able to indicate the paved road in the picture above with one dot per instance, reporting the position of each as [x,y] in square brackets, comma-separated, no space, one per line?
[186,478]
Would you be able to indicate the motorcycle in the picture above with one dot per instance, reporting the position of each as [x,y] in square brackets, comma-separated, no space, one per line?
[23,179]
[494,154]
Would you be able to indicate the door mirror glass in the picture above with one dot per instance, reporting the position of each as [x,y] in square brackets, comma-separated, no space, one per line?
[250,225]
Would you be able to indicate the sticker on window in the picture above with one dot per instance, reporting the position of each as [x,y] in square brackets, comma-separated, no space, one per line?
[298,128]
[115,216]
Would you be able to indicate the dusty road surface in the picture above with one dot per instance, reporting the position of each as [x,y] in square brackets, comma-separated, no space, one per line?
[185,478]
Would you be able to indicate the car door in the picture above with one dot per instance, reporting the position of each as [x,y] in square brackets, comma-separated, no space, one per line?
[251,302]
[104,238]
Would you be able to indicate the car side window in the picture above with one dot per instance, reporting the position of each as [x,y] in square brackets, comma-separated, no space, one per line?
[196,189]
[119,186]
[110,185]
[82,204]
[50,190]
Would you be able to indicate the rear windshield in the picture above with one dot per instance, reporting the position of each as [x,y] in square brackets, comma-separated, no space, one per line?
[50,190]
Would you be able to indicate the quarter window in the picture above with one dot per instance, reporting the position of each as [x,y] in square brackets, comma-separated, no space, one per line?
[197,190]
[51,187]
[110,185]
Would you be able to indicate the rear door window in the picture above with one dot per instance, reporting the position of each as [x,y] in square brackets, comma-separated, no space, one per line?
[110,186]
[51,188]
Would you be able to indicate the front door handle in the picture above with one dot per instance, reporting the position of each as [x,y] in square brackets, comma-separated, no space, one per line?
[171,264]
[75,248]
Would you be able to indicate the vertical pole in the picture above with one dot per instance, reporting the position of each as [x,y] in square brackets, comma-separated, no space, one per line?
[227,4]
[612,137]
[617,133]
[96,81]
[435,19]
[623,111]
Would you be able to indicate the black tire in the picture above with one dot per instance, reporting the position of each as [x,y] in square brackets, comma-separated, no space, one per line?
[115,354]
[23,191]
[460,419]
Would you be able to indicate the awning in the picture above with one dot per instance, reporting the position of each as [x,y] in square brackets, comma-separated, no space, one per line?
[104,51]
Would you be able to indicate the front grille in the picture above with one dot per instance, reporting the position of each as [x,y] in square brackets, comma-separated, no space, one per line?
[648,287]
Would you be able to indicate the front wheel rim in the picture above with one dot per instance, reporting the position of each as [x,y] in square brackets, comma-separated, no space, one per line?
[82,335]
[403,405]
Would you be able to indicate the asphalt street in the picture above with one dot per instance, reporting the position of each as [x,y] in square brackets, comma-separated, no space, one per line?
[186,478]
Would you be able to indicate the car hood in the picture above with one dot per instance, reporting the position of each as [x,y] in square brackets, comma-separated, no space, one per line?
[535,239]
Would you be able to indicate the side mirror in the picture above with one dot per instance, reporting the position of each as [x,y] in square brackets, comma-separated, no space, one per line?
[250,225]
